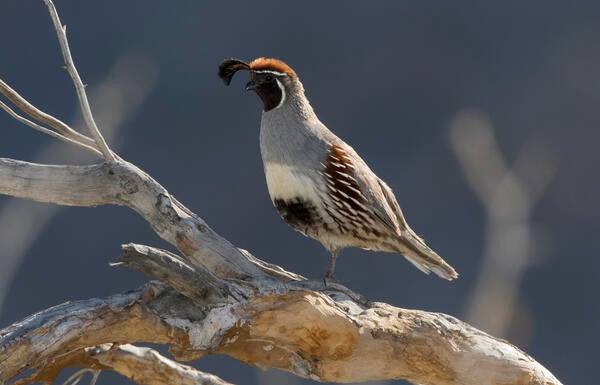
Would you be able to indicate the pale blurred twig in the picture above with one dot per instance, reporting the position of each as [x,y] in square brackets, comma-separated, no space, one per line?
[508,196]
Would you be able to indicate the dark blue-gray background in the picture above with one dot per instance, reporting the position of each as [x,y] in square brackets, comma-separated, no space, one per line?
[387,77]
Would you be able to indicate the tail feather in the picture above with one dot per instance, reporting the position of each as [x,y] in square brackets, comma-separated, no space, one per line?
[423,258]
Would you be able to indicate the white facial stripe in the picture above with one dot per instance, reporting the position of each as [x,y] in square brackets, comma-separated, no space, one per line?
[282,93]
[270,72]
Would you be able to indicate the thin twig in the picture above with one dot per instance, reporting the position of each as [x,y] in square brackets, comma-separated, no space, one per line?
[79,87]
[95,377]
[43,117]
[77,376]
[45,130]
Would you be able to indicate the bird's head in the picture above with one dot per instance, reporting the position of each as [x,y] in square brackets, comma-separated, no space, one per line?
[271,79]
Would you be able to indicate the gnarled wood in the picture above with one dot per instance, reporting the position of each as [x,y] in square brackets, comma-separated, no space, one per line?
[319,334]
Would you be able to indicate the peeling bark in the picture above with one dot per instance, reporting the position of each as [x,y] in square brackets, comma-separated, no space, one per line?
[321,334]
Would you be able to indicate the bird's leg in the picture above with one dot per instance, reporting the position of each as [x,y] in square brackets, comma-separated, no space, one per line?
[329,275]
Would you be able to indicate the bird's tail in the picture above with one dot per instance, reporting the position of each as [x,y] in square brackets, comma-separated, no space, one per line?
[419,254]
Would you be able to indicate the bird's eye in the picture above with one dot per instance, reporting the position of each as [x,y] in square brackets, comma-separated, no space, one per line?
[269,78]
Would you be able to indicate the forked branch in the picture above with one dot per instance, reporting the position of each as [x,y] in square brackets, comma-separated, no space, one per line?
[61,32]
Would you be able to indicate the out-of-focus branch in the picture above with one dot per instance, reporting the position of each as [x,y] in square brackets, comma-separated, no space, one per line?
[508,196]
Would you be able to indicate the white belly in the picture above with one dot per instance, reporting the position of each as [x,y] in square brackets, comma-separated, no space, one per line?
[288,182]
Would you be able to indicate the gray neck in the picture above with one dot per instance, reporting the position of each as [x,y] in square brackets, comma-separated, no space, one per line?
[292,134]
[296,104]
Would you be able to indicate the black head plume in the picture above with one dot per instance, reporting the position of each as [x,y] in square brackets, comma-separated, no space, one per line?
[229,67]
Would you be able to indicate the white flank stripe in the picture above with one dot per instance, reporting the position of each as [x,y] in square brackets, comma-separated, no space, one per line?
[343,194]
[359,204]
[345,175]
[350,208]
[354,189]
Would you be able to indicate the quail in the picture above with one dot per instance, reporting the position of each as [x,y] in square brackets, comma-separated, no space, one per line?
[319,185]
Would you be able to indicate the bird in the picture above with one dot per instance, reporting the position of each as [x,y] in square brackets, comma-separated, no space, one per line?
[317,182]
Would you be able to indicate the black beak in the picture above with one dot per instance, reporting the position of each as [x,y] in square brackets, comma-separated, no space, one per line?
[250,86]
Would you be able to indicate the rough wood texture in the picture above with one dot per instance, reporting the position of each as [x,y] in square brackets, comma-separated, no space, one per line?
[125,184]
[318,334]
[221,299]
[142,365]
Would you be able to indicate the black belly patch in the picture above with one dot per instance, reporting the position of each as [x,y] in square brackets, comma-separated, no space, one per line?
[298,213]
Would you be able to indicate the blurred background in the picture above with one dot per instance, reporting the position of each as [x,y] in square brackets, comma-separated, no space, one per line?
[483,117]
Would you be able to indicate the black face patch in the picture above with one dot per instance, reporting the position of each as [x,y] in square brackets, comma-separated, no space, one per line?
[298,213]
[267,89]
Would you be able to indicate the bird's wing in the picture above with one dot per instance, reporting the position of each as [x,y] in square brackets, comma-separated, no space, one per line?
[392,203]
[349,173]
[360,196]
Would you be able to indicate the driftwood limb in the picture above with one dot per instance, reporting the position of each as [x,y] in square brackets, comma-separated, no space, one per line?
[124,184]
[322,335]
[221,299]
[147,366]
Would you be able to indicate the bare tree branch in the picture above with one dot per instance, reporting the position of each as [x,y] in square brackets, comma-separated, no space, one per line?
[81,94]
[115,100]
[322,335]
[49,120]
[147,366]
[143,365]
[45,130]
[174,271]
[124,184]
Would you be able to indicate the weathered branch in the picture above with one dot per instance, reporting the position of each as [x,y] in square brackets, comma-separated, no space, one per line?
[323,335]
[171,269]
[61,32]
[45,130]
[115,99]
[124,184]
[61,128]
[143,365]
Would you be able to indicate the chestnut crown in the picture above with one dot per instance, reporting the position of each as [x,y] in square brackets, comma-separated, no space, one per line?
[229,67]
